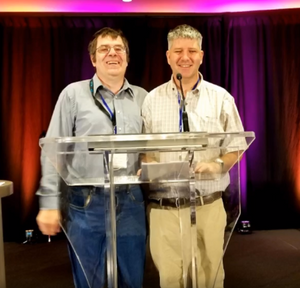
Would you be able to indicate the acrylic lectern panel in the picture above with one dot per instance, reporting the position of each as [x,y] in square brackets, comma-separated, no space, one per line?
[109,164]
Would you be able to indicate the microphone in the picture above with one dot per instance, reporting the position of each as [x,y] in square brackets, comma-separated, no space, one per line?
[185,118]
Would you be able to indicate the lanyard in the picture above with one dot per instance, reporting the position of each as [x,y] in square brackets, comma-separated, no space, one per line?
[181,106]
[180,112]
[111,115]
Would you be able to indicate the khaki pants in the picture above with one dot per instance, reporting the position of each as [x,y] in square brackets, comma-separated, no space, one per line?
[170,244]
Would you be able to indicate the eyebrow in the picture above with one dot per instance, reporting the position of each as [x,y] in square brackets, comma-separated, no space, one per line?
[111,45]
[189,48]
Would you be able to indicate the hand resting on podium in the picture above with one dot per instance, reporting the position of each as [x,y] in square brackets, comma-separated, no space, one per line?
[215,168]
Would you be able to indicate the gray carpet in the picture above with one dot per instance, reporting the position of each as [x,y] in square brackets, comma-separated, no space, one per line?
[263,259]
[258,260]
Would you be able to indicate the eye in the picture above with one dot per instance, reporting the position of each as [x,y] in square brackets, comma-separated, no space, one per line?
[119,49]
[103,49]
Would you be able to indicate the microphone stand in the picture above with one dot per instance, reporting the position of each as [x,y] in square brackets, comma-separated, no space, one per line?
[190,156]
[185,118]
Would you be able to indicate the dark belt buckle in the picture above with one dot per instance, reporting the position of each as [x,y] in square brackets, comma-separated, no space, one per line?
[177,202]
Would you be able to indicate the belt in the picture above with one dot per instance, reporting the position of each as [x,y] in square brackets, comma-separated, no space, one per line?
[184,202]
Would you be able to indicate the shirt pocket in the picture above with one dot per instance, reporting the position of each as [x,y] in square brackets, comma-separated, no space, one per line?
[133,123]
[205,123]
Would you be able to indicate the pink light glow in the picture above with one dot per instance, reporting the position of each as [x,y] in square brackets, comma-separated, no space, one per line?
[144,6]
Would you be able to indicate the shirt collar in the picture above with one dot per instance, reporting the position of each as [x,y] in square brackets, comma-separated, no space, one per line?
[174,87]
[126,86]
[200,82]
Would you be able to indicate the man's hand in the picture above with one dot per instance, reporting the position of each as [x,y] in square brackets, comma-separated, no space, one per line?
[139,172]
[208,167]
[212,167]
[48,222]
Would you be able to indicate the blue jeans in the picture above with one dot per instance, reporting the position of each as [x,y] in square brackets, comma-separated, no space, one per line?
[86,231]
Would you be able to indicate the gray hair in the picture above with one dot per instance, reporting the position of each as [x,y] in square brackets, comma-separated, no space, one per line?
[184,31]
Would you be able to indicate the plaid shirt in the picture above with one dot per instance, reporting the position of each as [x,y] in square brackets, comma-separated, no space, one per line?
[210,108]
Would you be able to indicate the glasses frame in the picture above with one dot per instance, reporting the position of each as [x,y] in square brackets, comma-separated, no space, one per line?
[115,47]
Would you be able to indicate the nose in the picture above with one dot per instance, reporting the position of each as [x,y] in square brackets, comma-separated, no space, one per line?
[112,51]
[185,55]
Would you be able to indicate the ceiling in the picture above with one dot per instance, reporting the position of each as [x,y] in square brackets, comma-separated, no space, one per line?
[144,6]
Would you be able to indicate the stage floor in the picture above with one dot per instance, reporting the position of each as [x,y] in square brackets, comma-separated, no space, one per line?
[266,258]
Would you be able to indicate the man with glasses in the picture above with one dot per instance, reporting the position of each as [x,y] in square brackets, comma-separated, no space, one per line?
[106,104]
[210,108]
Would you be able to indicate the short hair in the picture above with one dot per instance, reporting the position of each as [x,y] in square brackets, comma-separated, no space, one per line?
[184,31]
[104,32]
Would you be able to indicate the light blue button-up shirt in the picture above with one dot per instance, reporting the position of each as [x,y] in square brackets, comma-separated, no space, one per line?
[76,114]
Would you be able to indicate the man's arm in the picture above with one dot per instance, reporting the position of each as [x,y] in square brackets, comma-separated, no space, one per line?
[213,167]
[233,123]
[48,218]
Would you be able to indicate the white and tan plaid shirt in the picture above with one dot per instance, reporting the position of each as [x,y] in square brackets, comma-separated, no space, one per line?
[210,108]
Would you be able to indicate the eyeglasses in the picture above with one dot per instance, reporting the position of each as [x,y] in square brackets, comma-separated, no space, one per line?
[105,49]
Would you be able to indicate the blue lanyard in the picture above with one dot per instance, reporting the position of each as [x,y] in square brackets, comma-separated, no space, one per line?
[111,115]
[181,106]
[180,112]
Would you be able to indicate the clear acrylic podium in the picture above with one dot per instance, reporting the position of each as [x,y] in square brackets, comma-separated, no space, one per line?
[112,160]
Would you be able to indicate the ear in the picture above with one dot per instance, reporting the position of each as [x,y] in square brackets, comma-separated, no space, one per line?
[168,56]
[93,59]
[201,56]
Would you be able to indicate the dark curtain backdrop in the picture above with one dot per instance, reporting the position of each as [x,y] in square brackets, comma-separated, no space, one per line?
[254,55]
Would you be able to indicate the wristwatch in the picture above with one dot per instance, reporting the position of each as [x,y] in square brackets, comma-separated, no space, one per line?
[220,162]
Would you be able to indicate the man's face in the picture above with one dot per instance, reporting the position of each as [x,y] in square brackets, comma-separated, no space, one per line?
[185,57]
[110,61]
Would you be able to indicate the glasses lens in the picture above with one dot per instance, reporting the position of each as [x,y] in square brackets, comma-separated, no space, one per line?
[103,49]
[106,49]
[119,49]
